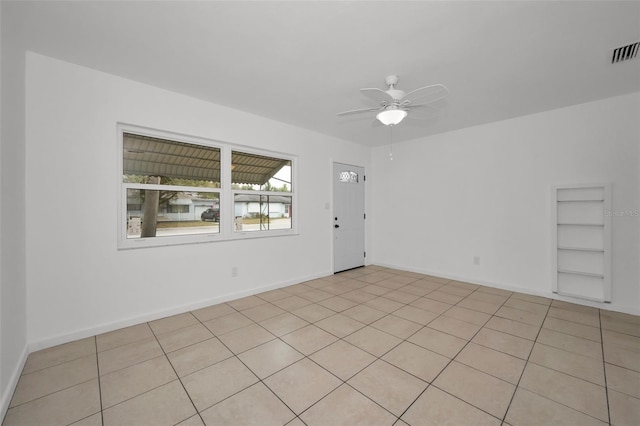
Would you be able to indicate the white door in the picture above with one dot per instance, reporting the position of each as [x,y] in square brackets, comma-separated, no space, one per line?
[348,217]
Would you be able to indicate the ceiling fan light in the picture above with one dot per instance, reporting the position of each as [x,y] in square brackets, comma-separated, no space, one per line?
[391,117]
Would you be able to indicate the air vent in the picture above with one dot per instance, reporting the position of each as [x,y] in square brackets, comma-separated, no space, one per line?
[625,53]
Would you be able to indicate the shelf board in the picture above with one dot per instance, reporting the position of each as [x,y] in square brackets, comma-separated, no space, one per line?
[600,200]
[596,250]
[588,274]
[581,224]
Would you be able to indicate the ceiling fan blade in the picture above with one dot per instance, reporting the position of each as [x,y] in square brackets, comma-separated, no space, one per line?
[427,94]
[357,111]
[377,95]
[422,111]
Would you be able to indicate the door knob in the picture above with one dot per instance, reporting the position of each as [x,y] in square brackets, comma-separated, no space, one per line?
[336,226]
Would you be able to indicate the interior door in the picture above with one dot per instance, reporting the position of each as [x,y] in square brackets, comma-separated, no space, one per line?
[348,217]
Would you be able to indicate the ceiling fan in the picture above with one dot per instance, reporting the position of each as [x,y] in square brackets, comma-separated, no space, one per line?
[395,104]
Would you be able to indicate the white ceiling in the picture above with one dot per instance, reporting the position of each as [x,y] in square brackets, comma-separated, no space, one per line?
[302,62]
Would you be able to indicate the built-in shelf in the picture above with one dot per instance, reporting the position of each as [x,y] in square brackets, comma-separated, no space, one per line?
[588,274]
[582,241]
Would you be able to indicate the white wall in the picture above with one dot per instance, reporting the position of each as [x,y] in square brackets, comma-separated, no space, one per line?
[485,191]
[13,322]
[78,282]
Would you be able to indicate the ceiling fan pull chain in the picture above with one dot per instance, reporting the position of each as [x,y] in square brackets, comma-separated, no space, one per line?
[391,145]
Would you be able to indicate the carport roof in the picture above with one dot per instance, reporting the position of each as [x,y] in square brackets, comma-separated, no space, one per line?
[149,156]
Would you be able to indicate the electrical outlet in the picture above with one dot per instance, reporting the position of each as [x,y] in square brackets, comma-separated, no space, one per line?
[234,271]
[476,260]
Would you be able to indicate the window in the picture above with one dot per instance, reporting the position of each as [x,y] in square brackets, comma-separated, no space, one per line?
[178,190]
[261,192]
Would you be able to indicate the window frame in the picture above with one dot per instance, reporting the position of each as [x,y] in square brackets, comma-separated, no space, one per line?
[227,230]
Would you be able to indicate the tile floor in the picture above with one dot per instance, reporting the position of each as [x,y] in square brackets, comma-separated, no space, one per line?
[371,346]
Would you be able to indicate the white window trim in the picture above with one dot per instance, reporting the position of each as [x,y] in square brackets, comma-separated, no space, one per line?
[227,210]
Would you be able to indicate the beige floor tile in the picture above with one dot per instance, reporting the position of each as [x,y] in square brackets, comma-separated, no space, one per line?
[337,288]
[589,369]
[622,357]
[431,305]
[519,315]
[347,407]
[342,359]
[246,338]
[227,323]
[172,323]
[623,380]
[338,304]
[364,314]
[339,325]
[479,305]
[283,324]
[420,362]
[389,386]
[468,315]
[586,318]
[396,326]
[59,408]
[575,393]
[376,290]
[482,296]
[463,284]
[272,295]
[625,327]
[523,305]
[495,291]
[123,336]
[195,357]
[373,341]
[612,338]
[442,296]
[309,339]
[498,364]
[59,354]
[254,406]
[262,312]
[297,289]
[302,384]
[512,327]
[384,304]
[476,388]
[358,296]
[435,408]
[315,295]
[571,343]
[270,357]
[625,410]
[418,290]
[620,316]
[313,313]
[572,328]
[503,342]
[529,409]
[166,405]
[531,298]
[414,314]
[439,342]
[211,312]
[573,306]
[292,302]
[245,303]
[401,296]
[131,381]
[127,355]
[456,290]
[212,384]
[94,420]
[52,379]
[192,421]
[462,329]
[178,339]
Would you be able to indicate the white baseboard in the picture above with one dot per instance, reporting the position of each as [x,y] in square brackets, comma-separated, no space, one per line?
[151,316]
[509,287]
[7,393]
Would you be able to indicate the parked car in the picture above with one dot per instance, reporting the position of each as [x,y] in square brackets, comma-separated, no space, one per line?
[211,214]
